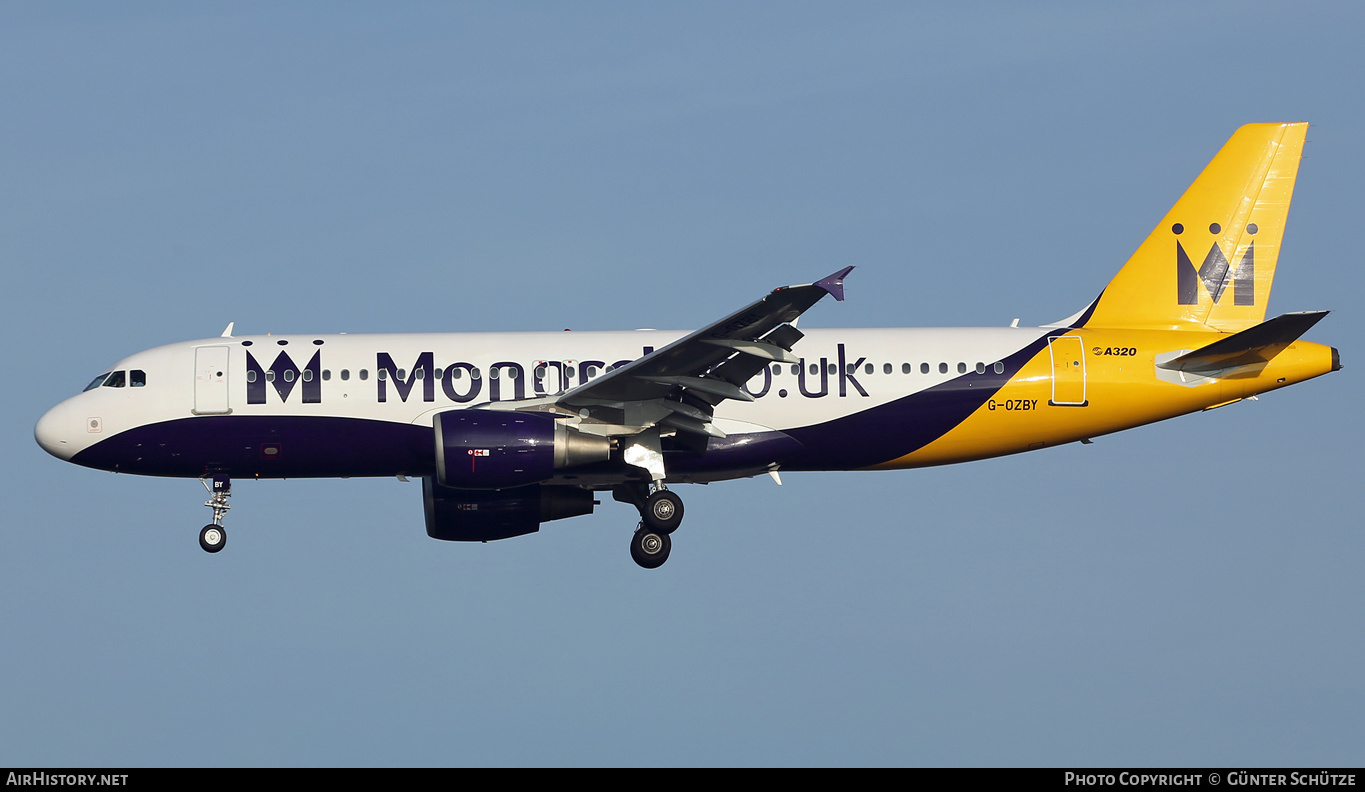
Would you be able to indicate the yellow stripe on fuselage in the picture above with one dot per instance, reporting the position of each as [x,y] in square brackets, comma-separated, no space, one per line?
[1123,388]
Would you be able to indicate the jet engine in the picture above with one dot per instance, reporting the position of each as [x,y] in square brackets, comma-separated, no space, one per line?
[460,515]
[495,449]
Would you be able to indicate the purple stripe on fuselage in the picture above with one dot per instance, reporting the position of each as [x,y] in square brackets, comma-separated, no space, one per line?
[328,447]
[267,447]
[905,425]
[1085,317]
[322,447]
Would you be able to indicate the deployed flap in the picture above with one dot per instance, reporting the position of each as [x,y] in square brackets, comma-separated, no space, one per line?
[716,360]
[1255,345]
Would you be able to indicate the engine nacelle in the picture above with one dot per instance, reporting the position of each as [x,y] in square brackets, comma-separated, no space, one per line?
[461,515]
[496,449]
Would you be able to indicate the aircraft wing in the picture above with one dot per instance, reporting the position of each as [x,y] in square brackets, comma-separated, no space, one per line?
[679,384]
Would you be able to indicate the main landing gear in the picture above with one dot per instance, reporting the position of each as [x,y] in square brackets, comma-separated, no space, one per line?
[213,537]
[650,548]
[661,512]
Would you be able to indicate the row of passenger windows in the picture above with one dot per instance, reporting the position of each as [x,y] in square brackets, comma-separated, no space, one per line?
[888,368]
[402,374]
[118,379]
[306,375]
[458,372]
[136,378]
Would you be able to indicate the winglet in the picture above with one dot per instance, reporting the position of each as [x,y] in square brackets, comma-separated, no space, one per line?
[834,284]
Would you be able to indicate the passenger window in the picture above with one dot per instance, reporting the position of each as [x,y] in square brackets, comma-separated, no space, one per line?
[270,375]
[962,368]
[943,368]
[999,368]
[345,374]
[980,368]
[886,369]
[365,374]
[137,378]
[96,382]
[116,380]
[326,375]
[869,368]
[288,375]
[493,373]
[924,368]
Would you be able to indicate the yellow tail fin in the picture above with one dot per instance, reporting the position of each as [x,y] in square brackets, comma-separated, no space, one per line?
[1210,262]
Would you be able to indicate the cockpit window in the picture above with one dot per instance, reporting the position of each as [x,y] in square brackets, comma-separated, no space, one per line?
[116,380]
[96,382]
[137,378]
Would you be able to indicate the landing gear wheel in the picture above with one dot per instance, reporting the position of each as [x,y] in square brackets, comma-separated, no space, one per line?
[663,511]
[650,548]
[212,538]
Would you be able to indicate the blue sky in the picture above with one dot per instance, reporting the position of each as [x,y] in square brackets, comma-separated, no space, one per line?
[1181,594]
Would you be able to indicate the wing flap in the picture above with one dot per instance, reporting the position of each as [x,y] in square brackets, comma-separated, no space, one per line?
[712,364]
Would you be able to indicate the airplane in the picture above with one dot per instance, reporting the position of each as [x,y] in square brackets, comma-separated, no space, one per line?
[511,430]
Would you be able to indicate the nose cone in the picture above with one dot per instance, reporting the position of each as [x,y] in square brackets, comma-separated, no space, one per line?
[55,432]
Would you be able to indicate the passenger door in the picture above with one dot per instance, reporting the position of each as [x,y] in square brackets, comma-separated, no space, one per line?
[1068,371]
[211,380]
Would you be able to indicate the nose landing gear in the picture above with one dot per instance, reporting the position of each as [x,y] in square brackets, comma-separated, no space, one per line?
[213,537]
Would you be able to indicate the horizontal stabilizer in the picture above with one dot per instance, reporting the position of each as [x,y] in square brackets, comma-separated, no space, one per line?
[1251,346]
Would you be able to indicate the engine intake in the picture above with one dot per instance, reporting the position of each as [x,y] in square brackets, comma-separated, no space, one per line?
[495,449]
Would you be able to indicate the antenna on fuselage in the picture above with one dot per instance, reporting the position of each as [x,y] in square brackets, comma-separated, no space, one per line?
[227,331]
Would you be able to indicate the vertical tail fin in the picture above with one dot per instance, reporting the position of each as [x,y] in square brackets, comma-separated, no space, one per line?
[1210,262]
